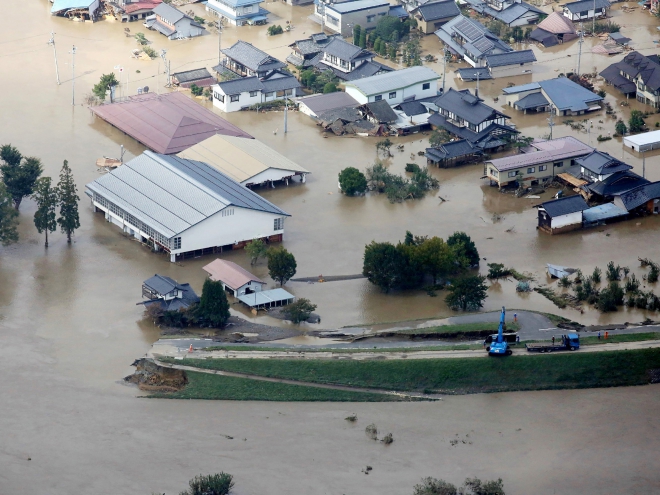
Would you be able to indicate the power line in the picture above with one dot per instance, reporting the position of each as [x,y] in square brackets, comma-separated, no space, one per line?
[21,39]
[21,53]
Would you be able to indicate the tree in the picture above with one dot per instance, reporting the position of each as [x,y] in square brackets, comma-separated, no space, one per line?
[212,484]
[436,257]
[438,137]
[107,82]
[329,88]
[300,310]
[256,249]
[383,146]
[377,45]
[46,197]
[357,32]
[352,181]
[363,39]
[386,26]
[433,486]
[465,247]
[474,486]
[281,264]
[68,202]
[392,52]
[636,122]
[382,265]
[620,127]
[213,307]
[19,173]
[467,293]
[196,90]
[8,218]
[497,271]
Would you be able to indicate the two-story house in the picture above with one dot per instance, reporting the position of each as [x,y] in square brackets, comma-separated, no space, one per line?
[171,22]
[239,12]
[432,15]
[307,53]
[598,166]
[584,9]
[167,293]
[342,17]
[348,61]
[396,86]
[510,12]
[134,10]
[246,60]
[471,40]
[244,92]
[636,74]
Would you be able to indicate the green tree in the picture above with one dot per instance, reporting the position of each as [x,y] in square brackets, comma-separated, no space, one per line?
[394,37]
[19,173]
[620,127]
[474,486]
[377,45]
[329,88]
[432,486]
[357,32]
[465,247]
[8,218]
[300,310]
[467,293]
[106,83]
[436,257]
[636,122]
[256,249]
[47,200]
[392,51]
[497,271]
[281,264]
[386,26]
[196,90]
[363,39]
[352,181]
[382,265]
[213,307]
[383,146]
[439,137]
[67,194]
[383,49]
[212,484]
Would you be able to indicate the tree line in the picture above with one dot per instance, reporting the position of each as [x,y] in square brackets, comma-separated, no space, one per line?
[21,178]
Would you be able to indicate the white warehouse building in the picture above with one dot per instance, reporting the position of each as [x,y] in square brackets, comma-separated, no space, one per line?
[394,87]
[183,207]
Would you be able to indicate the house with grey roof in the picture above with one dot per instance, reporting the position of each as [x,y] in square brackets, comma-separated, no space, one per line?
[167,293]
[470,40]
[307,53]
[510,64]
[199,77]
[453,153]
[238,12]
[598,166]
[394,87]
[348,61]
[642,200]
[314,105]
[561,215]
[638,74]
[510,12]
[171,22]
[246,60]
[430,16]
[182,207]
[560,95]
[243,92]
[584,9]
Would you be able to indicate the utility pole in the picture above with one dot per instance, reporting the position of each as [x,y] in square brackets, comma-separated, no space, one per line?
[551,121]
[73,73]
[444,67]
[52,42]
[219,41]
[643,165]
[286,108]
[476,93]
[593,26]
[580,51]
[163,52]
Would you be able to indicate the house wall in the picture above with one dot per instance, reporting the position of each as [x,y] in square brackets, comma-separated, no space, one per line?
[302,108]
[431,27]
[511,70]
[401,93]
[244,100]
[343,23]
[552,168]
[588,14]
[242,290]
[184,29]
[233,15]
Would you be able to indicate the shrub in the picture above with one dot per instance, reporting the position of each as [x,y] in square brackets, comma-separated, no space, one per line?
[497,271]
[613,272]
[212,484]
[565,282]
[620,127]
[596,275]
[352,181]
[432,486]
[196,90]
[636,122]
[467,293]
[412,167]
[330,88]
[275,29]
[299,311]
[653,274]
[371,431]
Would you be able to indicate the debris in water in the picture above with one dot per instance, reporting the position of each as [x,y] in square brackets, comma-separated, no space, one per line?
[352,418]
[371,431]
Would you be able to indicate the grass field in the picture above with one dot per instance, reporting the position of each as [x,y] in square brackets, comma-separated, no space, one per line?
[458,376]
[216,387]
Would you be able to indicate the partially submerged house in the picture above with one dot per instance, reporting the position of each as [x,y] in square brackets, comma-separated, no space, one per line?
[307,53]
[510,64]
[510,12]
[167,293]
[378,112]
[598,166]
[646,141]
[584,9]
[249,162]
[234,278]
[83,9]
[560,95]
[244,92]
[313,105]
[432,15]
[198,77]
[453,154]
[642,200]
[167,123]
[341,17]
[348,61]
[636,74]
[246,60]
[561,215]
[132,10]
[239,12]
[542,160]
[171,22]
[183,207]
[616,184]
[553,30]
[396,86]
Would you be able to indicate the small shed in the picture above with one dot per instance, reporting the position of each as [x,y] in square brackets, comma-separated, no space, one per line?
[557,271]
[561,215]
[643,142]
[267,299]
[199,77]
[235,279]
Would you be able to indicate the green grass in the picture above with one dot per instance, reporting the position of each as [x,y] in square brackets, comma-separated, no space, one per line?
[460,375]
[217,387]
[487,327]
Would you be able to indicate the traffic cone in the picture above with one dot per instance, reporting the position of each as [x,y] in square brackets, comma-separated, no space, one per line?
[190,349]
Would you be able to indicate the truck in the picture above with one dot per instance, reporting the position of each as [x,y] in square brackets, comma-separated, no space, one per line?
[499,346]
[510,338]
[568,342]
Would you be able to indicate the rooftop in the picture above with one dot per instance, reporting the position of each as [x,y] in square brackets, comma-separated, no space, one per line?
[161,284]
[60,5]
[602,163]
[545,151]
[470,73]
[565,206]
[438,10]
[344,50]
[166,123]
[192,75]
[238,158]
[466,106]
[556,23]
[381,111]
[510,58]
[634,64]
[382,83]
[584,5]
[252,57]
[563,93]
[230,273]
[635,198]
[601,213]
[266,298]
[172,194]
[617,184]
[353,6]
[322,102]
[532,100]
[169,13]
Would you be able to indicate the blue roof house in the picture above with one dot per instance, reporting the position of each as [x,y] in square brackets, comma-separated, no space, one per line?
[239,12]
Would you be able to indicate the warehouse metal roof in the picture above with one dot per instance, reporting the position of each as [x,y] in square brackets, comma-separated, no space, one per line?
[382,83]
[272,297]
[172,194]
[546,151]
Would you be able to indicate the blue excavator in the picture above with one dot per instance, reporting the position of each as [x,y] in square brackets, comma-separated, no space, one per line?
[499,346]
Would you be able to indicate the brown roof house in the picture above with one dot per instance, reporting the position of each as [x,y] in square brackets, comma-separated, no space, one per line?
[234,278]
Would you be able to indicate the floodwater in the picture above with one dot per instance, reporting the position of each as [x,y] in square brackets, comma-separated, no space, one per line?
[69,326]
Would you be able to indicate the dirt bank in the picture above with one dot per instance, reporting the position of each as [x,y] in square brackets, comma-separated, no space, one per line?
[151,377]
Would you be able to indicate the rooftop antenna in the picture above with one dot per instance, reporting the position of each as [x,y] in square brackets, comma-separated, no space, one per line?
[52,42]
[580,51]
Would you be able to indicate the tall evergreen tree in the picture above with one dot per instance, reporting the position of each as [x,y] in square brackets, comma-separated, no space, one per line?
[47,199]
[8,218]
[213,307]
[68,202]
[19,173]
[357,32]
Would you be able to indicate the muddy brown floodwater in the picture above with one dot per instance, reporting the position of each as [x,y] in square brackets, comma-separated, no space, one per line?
[69,326]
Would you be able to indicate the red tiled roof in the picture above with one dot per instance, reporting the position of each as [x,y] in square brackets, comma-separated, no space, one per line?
[167,123]
[132,7]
